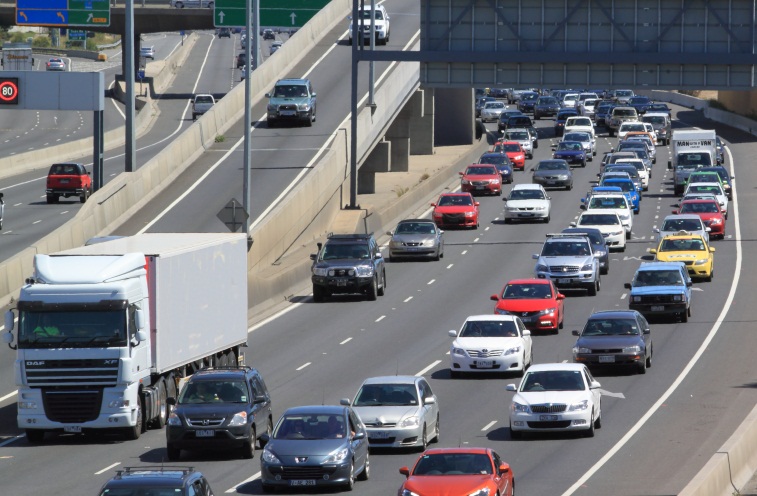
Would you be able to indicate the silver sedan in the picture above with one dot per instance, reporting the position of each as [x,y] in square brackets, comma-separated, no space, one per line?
[416,238]
[491,111]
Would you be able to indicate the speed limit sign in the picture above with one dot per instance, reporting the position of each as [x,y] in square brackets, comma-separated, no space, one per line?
[8,91]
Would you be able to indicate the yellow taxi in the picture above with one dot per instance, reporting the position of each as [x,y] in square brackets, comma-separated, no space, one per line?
[691,249]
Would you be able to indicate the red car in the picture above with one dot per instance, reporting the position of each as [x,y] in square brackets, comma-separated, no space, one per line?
[481,178]
[463,471]
[707,210]
[536,301]
[69,179]
[456,210]
[514,152]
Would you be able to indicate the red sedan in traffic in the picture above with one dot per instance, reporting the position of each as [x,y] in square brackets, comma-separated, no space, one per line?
[536,301]
[458,471]
[456,210]
[481,178]
[514,152]
[707,210]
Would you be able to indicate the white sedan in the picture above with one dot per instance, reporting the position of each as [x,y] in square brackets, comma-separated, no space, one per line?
[491,343]
[491,111]
[556,397]
[644,173]
[528,202]
[715,189]
[608,223]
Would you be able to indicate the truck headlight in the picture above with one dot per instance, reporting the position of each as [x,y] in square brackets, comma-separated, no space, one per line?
[636,299]
[238,419]
[320,272]
[364,270]
[677,297]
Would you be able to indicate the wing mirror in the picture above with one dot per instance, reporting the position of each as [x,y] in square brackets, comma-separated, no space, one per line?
[575,332]
[510,387]
[627,285]
[345,402]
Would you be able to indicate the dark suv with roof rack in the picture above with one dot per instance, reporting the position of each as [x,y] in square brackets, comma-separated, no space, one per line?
[219,408]
[348,263]
[177,481]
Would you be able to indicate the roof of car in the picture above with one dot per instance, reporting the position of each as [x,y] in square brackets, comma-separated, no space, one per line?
[527,186]
[660,265]
[540,367]
[490,317]
[166,476]
[216,373]
[315,410]
[449,451]
[682,216]
[292,81]
[416,220]
[392,379]
[528,281]
[613,314]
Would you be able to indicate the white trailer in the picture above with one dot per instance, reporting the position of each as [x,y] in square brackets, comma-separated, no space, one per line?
[690,150]
[106,331]
[15,58]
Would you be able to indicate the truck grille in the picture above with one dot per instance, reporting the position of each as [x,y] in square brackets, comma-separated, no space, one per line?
[88,372]
[72,406]
[548,408]
[657,299]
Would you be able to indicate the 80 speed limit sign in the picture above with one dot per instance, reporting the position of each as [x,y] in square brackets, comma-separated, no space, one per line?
[8,91]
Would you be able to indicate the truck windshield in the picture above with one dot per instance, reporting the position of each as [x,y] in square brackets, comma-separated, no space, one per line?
[694,160]
[72,329]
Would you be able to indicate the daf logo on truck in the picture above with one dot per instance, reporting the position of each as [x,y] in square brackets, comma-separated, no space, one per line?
[34,364]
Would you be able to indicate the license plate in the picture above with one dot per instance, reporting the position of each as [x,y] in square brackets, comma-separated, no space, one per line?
[378,435]
[485,364]
[414,248]
[659,308]
[564,281]
[606,358]
[72,428]
[341,283]
[550,183]
[299,482]
[206,433]
[64,181]
[287,112]
[548,417]
[526,214]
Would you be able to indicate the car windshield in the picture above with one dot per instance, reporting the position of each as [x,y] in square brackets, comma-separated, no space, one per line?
[700,208]
[511,147]
[452,200]
[204,99]
[713,190]
[583,137]
[494,159]
[624,93]
[310,426]
[624,112]
[704,178]
[607,202]
[639,99]
[584,121]
[632,127]
[681,225]
[610,327]
[494,105]
[658,278]
[489,329]
[636,163]
[655,119]
[337,251]
[553,380]
[681,245]
[527,292]
[214,391]
[553,165]
[518,136]
[598,220]
[387,395]
[547,100]
[566,249]
[290,91]
[481,171]
[415,228]
[625,186]
[570,145]
[526,194]
[453,464]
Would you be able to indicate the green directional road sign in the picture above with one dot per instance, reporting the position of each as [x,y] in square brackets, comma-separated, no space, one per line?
[280,13]
[83,13]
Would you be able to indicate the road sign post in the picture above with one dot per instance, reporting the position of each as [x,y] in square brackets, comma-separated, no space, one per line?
[63,13]
[281,13]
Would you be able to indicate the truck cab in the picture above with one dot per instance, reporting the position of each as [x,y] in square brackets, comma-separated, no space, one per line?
[661,289]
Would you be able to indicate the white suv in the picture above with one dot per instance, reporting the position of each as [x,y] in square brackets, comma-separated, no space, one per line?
[364,24]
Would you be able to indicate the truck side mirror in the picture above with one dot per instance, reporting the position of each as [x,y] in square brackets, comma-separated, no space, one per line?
[139,316]
[141,336]
[9,321]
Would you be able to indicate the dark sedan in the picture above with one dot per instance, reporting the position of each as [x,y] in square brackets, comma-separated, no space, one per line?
[572,152]
[562,116]
[553,173]
[546,106]
[527,102]
[615,337]
[602,113]
[598,245]
[502,162]
[640,103]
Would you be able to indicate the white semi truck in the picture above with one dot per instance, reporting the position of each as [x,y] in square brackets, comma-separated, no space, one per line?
[105,332]
[690,150]
[17,57]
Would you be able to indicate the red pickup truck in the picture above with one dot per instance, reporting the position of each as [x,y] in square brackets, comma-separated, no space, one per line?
[70,179]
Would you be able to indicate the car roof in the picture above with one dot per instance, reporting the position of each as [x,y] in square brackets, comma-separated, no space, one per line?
[219,373]
[419,220]
[393,379]
[450,451]
[542,367]
[528,281]
[682,216]
[490,317]
[455,194]
[292,81]
[315,410]
[660,265]
[527,186]
[613,314]
[168,477]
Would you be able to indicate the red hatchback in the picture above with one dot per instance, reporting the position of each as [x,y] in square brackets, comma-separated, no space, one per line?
[463,471]
[707,210]
[514,152]
[456,210]
[481,178]
[536,301]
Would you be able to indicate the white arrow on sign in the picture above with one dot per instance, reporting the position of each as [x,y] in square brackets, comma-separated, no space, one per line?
[293,16]
[608,393]
[89,17]
[221,15]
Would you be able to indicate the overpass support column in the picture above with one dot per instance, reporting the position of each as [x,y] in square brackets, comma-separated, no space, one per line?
[379,160]
[422,122]
[454,118]
[398,135]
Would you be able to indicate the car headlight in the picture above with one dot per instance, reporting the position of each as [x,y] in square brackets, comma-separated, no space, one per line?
[413,421]
[701,262]
[499,311]
[238,419]
[636,299]
[320,272]
[540,208]
[541,268]
[504,172]
[27,405]
[174,420]
[577,407]
[494,181]
[625,217]
[580,350]
[632,349]
[547,311]
[470,214]
[304,106]
[616,233]
[480,492]
[458,351]
[716,221]
[408,492]
[269,457]
[364,270]
[338,455]
[512,351]
[517,407]
[587,267]
[465,182]
[677,297]
[600,253]
[562,177]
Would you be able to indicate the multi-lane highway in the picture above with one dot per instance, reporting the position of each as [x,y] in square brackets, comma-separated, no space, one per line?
[658,429]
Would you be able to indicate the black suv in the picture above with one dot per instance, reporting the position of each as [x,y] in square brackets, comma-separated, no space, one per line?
[219,408]
[177,481]
[268,34]
[348,263]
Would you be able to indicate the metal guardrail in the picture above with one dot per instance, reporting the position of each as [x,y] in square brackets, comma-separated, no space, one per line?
[112,45]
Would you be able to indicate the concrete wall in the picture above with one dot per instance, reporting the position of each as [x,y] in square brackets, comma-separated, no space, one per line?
[454,118]
[742,102]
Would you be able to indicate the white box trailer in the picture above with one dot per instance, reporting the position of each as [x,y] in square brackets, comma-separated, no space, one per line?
[690,150]
[106,331]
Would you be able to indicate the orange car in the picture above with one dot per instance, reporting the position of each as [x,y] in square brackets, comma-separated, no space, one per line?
[461,471]
[651,135]
[481,178]
[514,152]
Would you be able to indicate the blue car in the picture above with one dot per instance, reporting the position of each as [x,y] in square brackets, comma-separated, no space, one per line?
[628,188]
[571,151]
[502,162]
[661,288]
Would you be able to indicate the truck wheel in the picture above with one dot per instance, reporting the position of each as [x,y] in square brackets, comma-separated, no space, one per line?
[52,198]
[372,291]
[136,431]
[35,436]
[160,421]
[382,289]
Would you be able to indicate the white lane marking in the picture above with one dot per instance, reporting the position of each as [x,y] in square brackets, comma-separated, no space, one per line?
[108,468]
[689,366]
[464,252]
[432,281]
[623,296]
[658,207]
[381,318]
[407,299]
[488,426]
[9,395]
[450,266]
[437,362]
[234,489]
[487,228]
[303,366]
[36,222]
[476,240]
[611,394]
[656,217]
[346,341]
[64,212]
[496,218]
[12,440]
[273,317]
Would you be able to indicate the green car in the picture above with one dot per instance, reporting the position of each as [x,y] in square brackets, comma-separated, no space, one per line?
[705,177]
[292,100]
